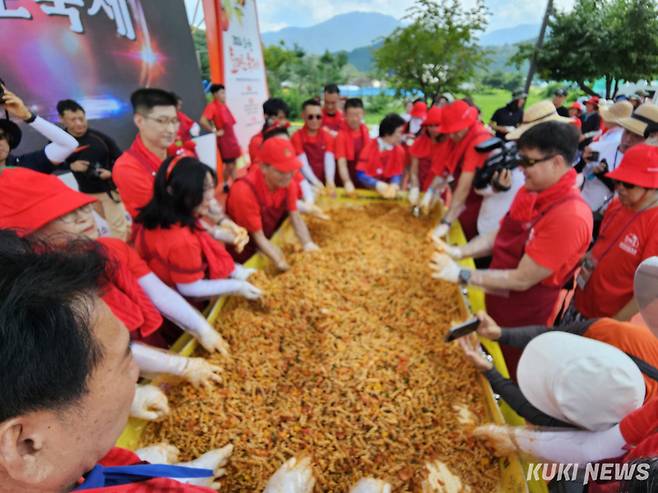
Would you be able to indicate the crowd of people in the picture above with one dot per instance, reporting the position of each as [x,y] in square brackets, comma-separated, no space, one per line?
[101,275]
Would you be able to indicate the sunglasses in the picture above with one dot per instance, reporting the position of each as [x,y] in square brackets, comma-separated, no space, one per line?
[314,117]
[526,162]
[627,186]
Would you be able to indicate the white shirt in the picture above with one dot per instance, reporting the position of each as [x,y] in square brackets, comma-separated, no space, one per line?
[496,204]
[593,190]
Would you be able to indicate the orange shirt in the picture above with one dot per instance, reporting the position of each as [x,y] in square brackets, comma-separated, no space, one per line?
[332,122]
[626,239]
[633,339]
[243,206]
[559,239]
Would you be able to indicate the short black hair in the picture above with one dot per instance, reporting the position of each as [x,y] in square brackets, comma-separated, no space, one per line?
[310,102]
[215,88]
[273,106]
[176,196]
[47,348]
[145,99]
[390,124]
[68,105]
[552,138]
[274,132]
[353,103]
[331,89]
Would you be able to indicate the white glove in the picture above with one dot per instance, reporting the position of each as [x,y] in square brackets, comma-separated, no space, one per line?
[385,190]
[292,477]
[414,195]
[370,485]
[215,460]
[199,372]
[311,247]
[316,211]
[441,230]
[441,480]
[149,403]
[248,290]
[160,453]
[427,202]
[349,188]
[242,273]
[444,268]
[230,232]
[450,250]
[212,341]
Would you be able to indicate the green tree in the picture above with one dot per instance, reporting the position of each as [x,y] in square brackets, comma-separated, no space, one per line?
[615,40]
[201,47]
[437,51]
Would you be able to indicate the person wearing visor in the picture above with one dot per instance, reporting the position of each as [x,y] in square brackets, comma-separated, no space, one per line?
[459,121]
[46,160]
[527,271]
[635,436]
[39,206]
[264,198]
[628,235]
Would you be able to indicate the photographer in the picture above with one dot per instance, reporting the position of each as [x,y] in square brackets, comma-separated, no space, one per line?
[603,156]
[92,164]
[539,241]
[44,160]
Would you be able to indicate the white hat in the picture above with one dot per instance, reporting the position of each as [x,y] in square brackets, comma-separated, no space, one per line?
[581,381]
[645,287]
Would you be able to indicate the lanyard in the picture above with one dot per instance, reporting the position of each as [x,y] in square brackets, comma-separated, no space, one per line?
[101,476]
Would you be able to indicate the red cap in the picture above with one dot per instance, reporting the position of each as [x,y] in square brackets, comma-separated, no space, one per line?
[433,116]
[280,154]
[457,116]
[576,106]
[419,110]
[639,166]
[30,200]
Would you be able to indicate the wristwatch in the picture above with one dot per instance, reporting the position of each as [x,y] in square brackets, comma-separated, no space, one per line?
[464,276]
[31,118]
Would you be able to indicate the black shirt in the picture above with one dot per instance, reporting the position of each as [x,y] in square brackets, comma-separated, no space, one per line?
[94,147]
[591,122]
[562,111]
[508,116]
[36,161]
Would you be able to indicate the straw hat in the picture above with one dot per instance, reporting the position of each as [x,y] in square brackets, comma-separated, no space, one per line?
[615,112]
[579,380]
[644,114]
[543,111]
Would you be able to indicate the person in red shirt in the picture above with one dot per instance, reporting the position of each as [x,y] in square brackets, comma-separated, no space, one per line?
[172,239]
[314,146]
[539,242]
[628,235]
[575,112]
[332,117]
[68,377]
[275,111]
[156,118]
[422,152]
[42,207]
[217,118]
[460,122]
[350,141]
[262,200]
[183,144]
[381,163]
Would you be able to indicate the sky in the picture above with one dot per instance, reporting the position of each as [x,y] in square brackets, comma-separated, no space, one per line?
[278,14]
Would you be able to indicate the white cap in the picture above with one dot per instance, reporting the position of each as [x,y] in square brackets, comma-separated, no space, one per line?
[581,381]
[645,287]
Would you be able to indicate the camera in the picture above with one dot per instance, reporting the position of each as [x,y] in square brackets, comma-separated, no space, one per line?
[503,155]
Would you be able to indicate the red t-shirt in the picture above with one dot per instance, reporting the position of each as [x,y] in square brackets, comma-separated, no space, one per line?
[176,254]
[332,122]
[464,152]
[560,238]
[344,145]
[625,240]
[423,147]
[301,136]
[243,206]
[381,164]
[186,124]
[122,457]
[254,148]
[440,157]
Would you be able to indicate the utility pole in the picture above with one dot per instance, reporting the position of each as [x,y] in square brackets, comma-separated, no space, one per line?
[538,46]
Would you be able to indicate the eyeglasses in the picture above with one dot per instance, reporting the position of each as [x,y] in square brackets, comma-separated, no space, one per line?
[627,186]
[526,162]
[72,217]
[163,122]
[314,117]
